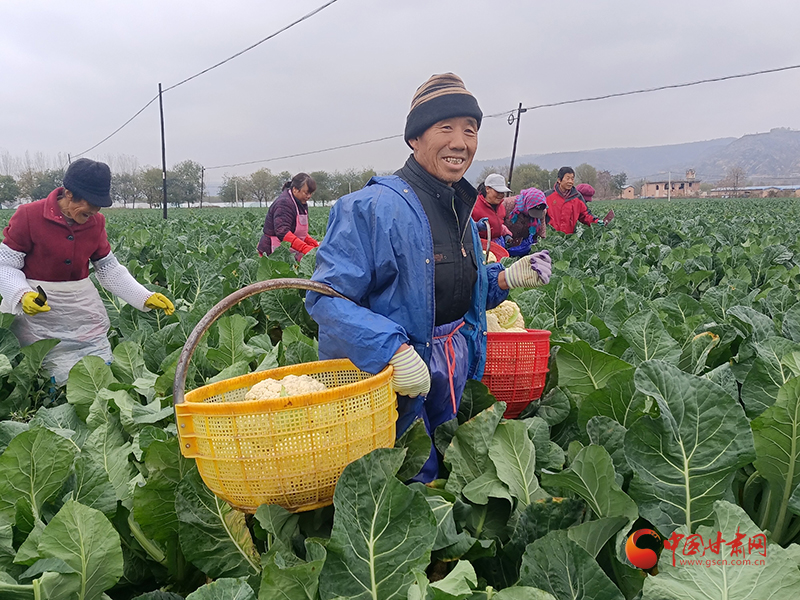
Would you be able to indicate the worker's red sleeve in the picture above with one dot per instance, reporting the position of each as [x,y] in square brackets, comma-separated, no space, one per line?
[584,216]
[103,247]
[297,243]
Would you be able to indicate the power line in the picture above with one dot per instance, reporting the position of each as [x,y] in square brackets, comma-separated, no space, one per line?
[211,68]
[116,131]
[653,89]
[269,37]
[252,162]
[551,104]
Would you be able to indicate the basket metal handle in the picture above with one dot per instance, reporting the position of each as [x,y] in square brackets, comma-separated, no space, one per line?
[179,385]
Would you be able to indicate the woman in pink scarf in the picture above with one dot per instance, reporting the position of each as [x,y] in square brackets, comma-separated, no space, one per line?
[525,218]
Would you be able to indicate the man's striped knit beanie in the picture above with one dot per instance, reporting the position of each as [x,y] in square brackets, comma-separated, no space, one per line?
[441,97]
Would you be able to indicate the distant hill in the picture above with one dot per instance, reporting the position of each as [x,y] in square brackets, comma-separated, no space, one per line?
[763,156]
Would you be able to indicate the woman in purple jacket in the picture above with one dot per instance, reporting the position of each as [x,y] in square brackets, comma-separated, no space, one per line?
[287,218]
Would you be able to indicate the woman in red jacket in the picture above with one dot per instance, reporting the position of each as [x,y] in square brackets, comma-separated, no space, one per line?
[47,246]
[287,218]
[490,205]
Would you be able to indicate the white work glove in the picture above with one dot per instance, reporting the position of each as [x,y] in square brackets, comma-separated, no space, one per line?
[530,271]
[411,376]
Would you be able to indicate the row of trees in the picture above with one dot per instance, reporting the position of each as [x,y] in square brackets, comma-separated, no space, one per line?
[132,186]
[525,176]
[263,186]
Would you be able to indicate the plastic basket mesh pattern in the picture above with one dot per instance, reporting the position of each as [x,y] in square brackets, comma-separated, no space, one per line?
[516,367]
[286,451]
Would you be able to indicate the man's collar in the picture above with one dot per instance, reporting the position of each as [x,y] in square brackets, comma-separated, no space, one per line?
[463,189]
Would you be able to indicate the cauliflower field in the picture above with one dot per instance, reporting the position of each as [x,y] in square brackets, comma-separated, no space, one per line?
[672,404]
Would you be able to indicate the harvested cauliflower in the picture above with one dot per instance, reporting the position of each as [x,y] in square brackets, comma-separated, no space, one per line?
[492,258]
[505,318]
[291,385]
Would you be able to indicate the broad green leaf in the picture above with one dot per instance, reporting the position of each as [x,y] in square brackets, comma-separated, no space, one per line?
[64,421]
[469,449]
[278,521]
[606,432]
[582,369]
[5,365]
[213,536]
[232,348]
[553,408]
[592,535]
[791,323]
[778,578]
[540,518]
[514,458]
[648,339]
[695,353]
[107,447]
[686,458]
[154,502]
[382,532]
[128,364]
[792,360]
[417,444]
[776,433]
[25,375]
[591,476]
[723,377]
[618,400]
[53,565]
[286,577]
[488,485]
[475,399]
[86,541]
[224,589]
[561,567]
[285,307]
[8,431]
[457,584]
[90,375]
[442,504]
[9,345]
[767,375]
[489,521]
[235,370]
[92,486]
[681,309]
[751,323]
[33,467]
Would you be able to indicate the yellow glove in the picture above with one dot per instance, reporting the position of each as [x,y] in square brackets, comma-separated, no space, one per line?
[30,307]
[160,301]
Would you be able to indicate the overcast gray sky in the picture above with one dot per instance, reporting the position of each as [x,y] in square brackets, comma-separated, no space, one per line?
[73,71]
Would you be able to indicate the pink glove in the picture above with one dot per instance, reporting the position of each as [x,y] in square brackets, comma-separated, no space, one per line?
[530,271]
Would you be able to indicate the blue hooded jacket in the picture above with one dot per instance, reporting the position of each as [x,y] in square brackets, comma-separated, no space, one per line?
[378,251]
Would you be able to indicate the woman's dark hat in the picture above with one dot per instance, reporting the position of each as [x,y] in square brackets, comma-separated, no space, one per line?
[89,180]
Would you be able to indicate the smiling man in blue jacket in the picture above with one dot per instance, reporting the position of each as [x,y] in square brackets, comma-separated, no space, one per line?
[406,252]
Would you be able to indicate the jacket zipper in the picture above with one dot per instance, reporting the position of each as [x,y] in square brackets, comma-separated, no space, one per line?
[458,224]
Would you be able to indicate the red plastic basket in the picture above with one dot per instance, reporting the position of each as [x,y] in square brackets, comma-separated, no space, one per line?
[495,249]
[516,367]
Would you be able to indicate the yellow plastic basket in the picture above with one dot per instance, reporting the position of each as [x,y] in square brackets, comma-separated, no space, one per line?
[287,451]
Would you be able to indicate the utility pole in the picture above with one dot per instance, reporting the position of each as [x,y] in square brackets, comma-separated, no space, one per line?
[511,119]
[236,192]
[163,153]
[669,186]
[202,180]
